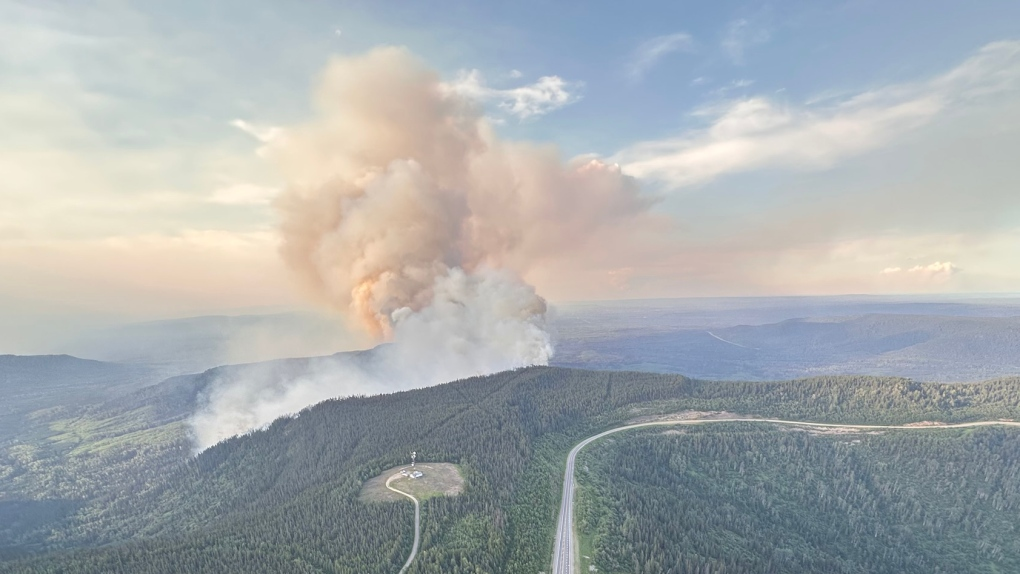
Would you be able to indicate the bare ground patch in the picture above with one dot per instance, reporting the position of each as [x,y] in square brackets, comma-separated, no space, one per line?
[686,416]
[832,430]
[438,479]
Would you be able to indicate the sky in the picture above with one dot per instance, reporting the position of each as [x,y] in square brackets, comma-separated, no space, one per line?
[788,147]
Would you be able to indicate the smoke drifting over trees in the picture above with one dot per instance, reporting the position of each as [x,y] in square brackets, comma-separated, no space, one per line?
[406,213]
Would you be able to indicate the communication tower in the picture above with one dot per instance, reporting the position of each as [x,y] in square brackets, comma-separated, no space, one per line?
[414,455]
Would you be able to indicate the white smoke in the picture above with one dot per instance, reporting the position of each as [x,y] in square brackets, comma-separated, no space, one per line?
[407,214]
[475,324]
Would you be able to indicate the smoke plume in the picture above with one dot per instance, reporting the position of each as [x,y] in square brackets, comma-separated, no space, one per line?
[407,214]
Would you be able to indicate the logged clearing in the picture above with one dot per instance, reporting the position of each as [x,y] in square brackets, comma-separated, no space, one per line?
[438,479]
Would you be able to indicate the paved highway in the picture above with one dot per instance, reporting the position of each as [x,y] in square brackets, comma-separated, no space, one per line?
[417,522]
[565,550]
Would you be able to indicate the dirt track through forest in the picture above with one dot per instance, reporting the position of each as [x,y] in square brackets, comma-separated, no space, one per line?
[417,522]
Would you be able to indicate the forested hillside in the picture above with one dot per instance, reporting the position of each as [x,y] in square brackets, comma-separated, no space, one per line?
[286,499]
[48,382]
[745,498]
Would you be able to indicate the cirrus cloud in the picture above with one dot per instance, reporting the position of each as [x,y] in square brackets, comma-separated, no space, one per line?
[740,35]
[648,54]
[759,132]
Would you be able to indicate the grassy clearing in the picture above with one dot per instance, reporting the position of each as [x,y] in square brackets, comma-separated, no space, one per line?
[160,435]
[585,551]
[84,429]
[439,479]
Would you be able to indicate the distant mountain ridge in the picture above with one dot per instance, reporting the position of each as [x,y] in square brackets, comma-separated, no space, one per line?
[934,348]
[193,345]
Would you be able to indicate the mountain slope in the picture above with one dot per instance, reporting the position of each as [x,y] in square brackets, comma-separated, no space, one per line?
[38,382]
[286,499]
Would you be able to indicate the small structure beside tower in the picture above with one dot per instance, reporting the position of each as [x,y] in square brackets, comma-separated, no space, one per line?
[412,473]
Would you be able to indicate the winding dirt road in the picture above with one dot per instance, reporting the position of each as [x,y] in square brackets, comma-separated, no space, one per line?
[564,551]
[417,522]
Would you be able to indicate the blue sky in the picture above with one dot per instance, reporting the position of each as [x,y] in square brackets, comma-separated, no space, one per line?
[799,147]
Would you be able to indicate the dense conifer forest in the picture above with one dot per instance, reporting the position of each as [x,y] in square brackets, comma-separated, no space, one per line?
[285,499]
[741,498]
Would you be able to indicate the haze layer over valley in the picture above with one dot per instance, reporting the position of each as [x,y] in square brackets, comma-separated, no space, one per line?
[926,338]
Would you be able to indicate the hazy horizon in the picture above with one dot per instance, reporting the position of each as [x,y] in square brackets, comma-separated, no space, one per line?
[57,331]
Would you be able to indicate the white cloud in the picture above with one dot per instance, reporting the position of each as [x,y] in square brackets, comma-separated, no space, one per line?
[936,270]
[264,134]
[547,94]
[938,275]
[757,133]
[741,35]
[650,52]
